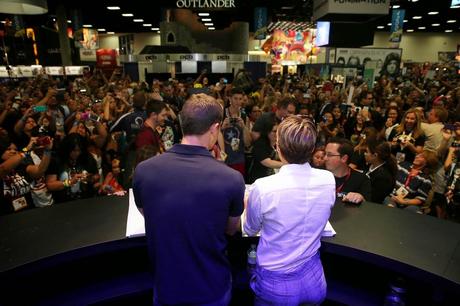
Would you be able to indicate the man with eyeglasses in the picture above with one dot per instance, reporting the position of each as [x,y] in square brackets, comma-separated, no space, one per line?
[351,185]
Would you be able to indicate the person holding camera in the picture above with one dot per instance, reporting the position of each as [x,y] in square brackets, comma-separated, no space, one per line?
[17,171]
[408,139]
[235,132]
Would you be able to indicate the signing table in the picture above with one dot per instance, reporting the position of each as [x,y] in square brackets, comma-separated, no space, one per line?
[60,253]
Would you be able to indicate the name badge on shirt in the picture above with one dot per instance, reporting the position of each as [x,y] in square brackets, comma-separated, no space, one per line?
[402,192]
[19,203]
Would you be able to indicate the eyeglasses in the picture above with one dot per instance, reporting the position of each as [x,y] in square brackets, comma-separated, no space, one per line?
[329,154]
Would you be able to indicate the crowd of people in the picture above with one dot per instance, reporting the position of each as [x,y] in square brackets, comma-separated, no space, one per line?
[395,144]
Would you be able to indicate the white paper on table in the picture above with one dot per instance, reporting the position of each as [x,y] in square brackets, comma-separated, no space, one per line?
[135,225]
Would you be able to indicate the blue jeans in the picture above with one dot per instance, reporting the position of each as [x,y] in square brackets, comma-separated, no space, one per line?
[224,301]
[306,285]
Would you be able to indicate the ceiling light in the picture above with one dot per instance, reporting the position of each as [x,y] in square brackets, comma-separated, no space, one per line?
[158,32]
[110,33]
[287,7]
[448,31]
[138,20]
[3,21]
[211,28]
[147,25]
[410,30]
[101,30]
[451,21]
[414,0]
[405,20]
[380,27]
[455,6]
[435,25]
[87,25]
[69,21]
[206,19]
[113,8]
[396,6]
[389,24]
[203,14]
[421,28]
[54,19]
[433,13]
[155,29]
[209,24]
[127,15]
[417,17]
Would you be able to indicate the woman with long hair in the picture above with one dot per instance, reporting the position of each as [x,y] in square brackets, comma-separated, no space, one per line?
[407,139]
[382,169]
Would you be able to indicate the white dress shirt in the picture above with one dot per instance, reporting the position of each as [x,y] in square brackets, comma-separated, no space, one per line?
[290,209]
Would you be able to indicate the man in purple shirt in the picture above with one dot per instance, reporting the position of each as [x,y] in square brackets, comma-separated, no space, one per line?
[190,201]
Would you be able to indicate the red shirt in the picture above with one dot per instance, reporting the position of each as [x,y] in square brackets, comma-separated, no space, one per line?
[149,137]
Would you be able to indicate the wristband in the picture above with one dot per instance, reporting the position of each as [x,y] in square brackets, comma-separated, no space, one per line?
[66,183]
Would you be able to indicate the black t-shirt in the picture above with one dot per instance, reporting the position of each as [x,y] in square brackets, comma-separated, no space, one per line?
[409,155]
[382,184]
[261,150]
[355,182]
[63,171]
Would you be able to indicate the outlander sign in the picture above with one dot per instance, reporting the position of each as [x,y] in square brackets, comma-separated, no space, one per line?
[205,3]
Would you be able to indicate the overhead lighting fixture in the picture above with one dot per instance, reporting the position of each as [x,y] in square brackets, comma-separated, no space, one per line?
[211,28]
[87,25]
[380,27]
[448,31]
[451,21]
[206,19]
[69,21]
[417,17]
[396,6]
[410,30]
[433,13]
[209,24]
[405,20]
[435,25]
[54,19]
[455,6]
[287,7]
[421,28]
[155,29]
[389,24]
[127,15]
[23,7]
[113,8]
[147,25]
[158,32]
[3,21]
[203,14]
[101,30]
[414,0]
[110,33]
[138,20]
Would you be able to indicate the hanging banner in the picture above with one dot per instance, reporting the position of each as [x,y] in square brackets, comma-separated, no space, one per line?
[397,22]
[352,7]
[106,58]
[260,22]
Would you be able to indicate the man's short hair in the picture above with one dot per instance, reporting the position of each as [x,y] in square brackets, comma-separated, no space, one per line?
[441,113]
[237,90]
[154,106]
[345,146]
[139,100]
[199,112]
[296,139]
[283,103]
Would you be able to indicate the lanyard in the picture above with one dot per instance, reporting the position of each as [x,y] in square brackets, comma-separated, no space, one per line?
[409,179]
[339,189]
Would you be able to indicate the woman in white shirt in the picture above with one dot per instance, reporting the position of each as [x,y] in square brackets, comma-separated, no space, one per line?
[290,210]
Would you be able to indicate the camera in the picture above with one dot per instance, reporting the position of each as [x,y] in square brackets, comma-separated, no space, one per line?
[456,144]
[233,120]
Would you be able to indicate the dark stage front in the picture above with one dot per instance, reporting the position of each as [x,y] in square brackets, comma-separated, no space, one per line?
[76,253]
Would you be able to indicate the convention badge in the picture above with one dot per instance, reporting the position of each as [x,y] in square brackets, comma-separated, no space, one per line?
[235,144]
[400,157]
[223,155]
[19,203]
[402,192]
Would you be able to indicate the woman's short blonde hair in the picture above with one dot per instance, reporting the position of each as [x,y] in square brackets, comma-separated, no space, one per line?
[296,139]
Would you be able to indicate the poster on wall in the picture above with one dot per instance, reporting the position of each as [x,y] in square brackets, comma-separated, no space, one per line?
[87,39]
[388,60]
